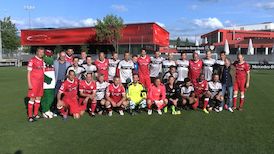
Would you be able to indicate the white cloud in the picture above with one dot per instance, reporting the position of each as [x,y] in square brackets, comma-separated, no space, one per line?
[265,5]
[210,23]
[194,7]
[119,8]
[53,22]
[161,24]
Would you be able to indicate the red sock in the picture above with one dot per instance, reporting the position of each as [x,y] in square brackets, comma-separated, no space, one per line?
[242,100]
[161,106]
[235,101]
[36,107]
[205,103]
[195,105]
[93,107]
[30,109]
[149,106]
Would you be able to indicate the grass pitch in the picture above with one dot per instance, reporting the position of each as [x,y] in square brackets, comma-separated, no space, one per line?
[250,131]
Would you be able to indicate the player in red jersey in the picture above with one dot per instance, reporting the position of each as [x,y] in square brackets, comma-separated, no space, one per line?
[69,55]
[69,101]
[201,91]
[143,64]
[35,78]
[242,79]
[157,96]
[195,68]
[116,96]
[102,65]
[87,89]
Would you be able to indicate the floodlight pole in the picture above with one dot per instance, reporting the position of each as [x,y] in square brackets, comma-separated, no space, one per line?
[1,57]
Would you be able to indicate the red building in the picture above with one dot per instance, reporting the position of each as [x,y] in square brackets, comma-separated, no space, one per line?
[263,41]
[134,36]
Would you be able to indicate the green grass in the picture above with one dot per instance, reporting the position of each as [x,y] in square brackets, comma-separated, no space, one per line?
[251,131]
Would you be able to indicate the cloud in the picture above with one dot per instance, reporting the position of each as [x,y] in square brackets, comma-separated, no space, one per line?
[119,8]
[265,5]
[161,24]
[209,0]
[53,22]
[194,7]
[210,23]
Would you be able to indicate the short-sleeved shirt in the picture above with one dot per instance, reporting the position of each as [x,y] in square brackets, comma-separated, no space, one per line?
[125,69]
[241,70]
[143,64]
[200,87]
[87,88]
[172,93]
[112,68]
[90,68]
[101,90]
[79,71]
[102,67]
[69,89]
[208,68]
[116,93]
[69,58]
[166,64]
[182,69]
[36,66]
[156,66]
[186,91]
[195,69]
[214,87]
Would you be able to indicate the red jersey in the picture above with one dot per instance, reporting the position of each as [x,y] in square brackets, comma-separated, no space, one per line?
[241,70]
[116,92]
[87,88]
[69,59]
[195,69]
[69,89]
[37,67]
[200,87]
[143,63]
[102,67]
[157,93]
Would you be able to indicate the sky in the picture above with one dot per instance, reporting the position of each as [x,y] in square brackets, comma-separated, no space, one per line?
[182,18]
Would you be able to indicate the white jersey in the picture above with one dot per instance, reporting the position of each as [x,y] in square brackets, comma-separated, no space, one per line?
[125,69]
[220,62]
[112,68]
[186,91]
[82,61]
[214,87]
[101,90]
[79,71]
[90,68]
[208,68]
[155,66]
[167,64]
[182,69]
[168,74]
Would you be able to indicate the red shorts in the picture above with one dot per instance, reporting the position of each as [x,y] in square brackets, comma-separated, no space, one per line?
[239,85]
[83,106]
[72,104]
[37,89]
[145,81]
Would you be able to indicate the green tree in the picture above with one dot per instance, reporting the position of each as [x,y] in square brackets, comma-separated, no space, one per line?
[109,30]
[85,48]
[187,42]
[178,42]
[58,49]
[10,39]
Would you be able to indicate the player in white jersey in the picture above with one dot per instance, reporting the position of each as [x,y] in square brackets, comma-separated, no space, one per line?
[125,68]
[215,89]
[89,67]
[83,58]
[182,68]
[155,66]
[112,66]
[188,96]
[171,72]
[220,63]
[168,62]
[101,87]
[208,63]
[78,69]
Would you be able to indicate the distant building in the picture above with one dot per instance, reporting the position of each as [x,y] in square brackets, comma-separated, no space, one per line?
[262,36]
[133,37]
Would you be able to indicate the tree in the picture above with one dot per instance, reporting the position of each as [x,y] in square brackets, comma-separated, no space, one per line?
[178,42]
[85,48]
[10,39]
[58,49]
[187,42]
[109,30]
